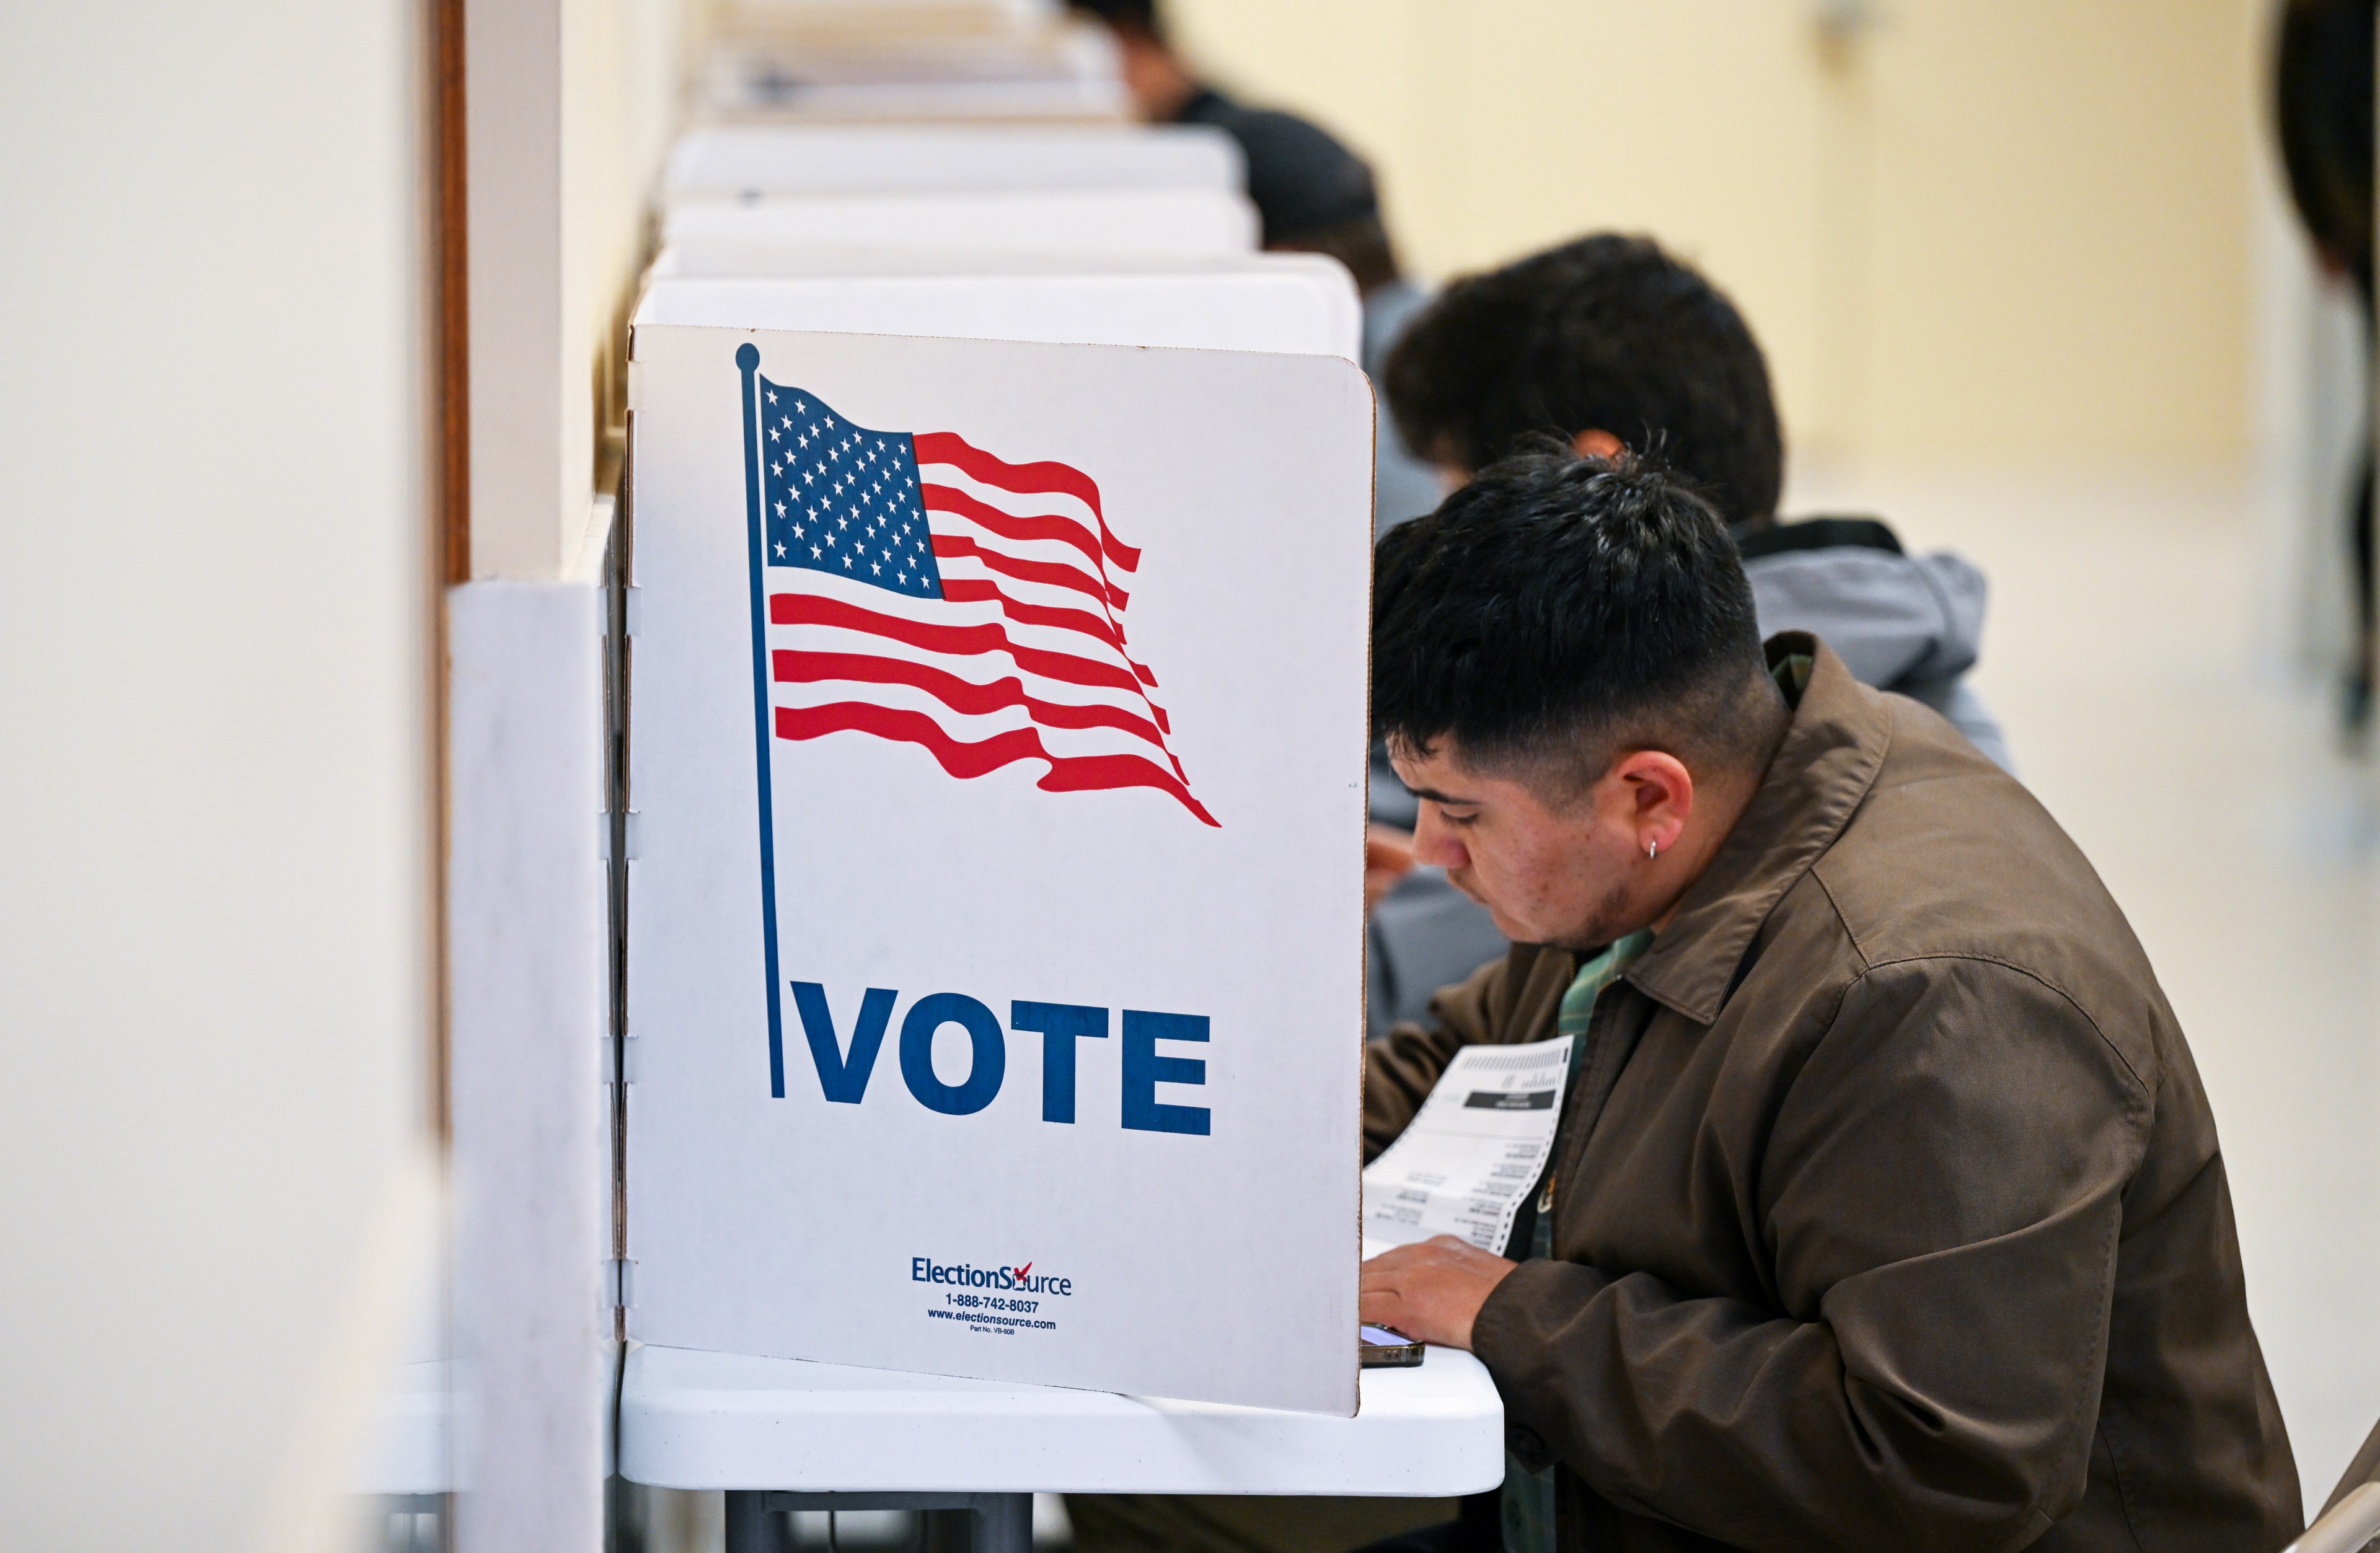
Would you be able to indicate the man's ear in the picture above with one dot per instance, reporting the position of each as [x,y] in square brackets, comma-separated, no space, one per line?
[1596,442]
[1659,794]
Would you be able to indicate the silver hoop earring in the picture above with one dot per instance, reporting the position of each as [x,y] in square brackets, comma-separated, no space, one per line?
[1652,849]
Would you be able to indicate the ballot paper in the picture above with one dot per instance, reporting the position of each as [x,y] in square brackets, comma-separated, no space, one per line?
[1479,1143]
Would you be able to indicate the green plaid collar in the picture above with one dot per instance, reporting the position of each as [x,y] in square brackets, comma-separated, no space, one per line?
[1578,1002]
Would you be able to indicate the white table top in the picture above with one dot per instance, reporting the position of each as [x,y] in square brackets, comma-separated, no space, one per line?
[695,1420]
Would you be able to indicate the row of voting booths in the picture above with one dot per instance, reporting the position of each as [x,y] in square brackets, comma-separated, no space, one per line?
[994,575]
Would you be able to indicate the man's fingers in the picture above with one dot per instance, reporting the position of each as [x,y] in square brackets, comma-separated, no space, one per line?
[1453,1251]
[1431,1291]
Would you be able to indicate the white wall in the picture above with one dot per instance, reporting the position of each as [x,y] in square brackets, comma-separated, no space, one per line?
[214,671]
[571,107]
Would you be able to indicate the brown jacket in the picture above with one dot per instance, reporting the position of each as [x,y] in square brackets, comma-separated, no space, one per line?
[1889,1212]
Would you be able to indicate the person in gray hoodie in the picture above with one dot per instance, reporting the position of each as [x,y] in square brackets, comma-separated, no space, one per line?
[1608,343]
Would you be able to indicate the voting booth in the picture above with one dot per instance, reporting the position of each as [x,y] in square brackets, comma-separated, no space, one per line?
[995,569]
[910,60]
[995,928]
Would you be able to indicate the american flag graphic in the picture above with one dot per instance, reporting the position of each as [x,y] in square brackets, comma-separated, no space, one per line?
[921,589]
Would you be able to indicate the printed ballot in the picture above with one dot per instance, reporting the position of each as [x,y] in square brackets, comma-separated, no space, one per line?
[1471,1154]
[994,928]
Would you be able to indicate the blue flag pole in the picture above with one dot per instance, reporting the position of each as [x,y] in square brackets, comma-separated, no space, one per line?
[748,357]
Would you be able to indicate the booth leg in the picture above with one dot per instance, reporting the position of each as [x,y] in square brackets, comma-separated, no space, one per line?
[953,1522]
[947,1531]
[753,1527]
[1003,1524]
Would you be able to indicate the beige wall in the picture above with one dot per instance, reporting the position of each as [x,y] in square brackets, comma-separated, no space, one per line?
[1978,227]
[213,957]
[572,105]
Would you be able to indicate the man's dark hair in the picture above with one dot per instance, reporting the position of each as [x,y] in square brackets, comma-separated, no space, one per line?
[1363,245]
[1557,612]
[1301,180]
[1605,333]
[1124,15]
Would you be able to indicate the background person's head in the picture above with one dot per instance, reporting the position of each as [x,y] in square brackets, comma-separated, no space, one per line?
[1605,342]
[1567,670]
[1159,82]
[1312,194]
[2321,108]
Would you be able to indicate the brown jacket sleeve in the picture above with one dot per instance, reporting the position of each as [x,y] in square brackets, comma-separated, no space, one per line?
[1938,1202]
[1400,1067]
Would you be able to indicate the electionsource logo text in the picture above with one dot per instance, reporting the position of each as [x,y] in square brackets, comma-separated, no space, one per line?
[925,1269]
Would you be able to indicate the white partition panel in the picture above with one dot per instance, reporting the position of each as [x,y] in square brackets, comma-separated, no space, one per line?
[525,971]
[1085,222]
[1298,305]
[733,159]
[995,924]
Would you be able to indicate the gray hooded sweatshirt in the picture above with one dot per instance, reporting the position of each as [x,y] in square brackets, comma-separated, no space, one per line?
[1910,623]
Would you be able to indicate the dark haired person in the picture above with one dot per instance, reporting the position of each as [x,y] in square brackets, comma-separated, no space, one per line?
[2322,108]
[1885,1210]
[1609,342]
[1312,195]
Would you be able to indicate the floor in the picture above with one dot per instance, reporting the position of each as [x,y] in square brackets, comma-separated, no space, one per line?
[2139,651]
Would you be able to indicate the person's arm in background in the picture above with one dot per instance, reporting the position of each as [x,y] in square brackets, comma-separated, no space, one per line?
[1388,857]
[1912,625]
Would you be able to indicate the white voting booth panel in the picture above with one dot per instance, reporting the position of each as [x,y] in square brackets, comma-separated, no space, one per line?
[763,259]
[879,61]
[1079,222]
[1299,309]
[729,160]
[995,920]
[763,86]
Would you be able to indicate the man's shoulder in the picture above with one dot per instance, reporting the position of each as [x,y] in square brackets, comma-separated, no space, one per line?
[1950,866]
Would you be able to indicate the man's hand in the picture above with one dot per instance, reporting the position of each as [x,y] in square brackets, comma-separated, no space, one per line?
[1388,857]
[1431,1291]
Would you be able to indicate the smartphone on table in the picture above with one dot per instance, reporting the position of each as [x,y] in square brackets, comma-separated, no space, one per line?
[1378,1347]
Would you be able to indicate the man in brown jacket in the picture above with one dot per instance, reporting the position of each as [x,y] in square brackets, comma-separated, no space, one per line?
[1885,1210]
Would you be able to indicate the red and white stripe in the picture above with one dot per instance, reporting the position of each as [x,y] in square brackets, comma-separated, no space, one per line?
[1024,657]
